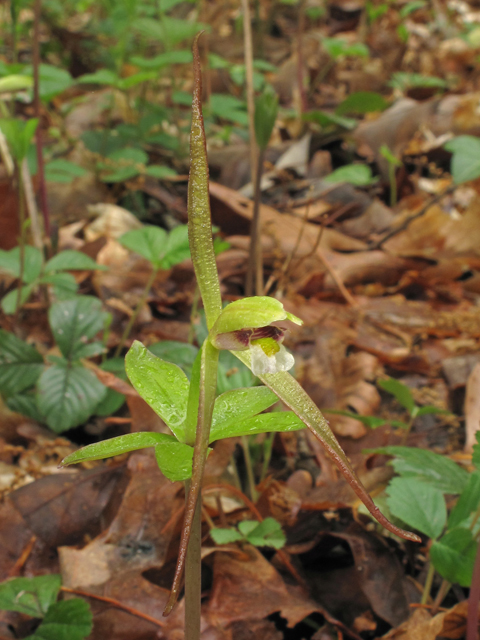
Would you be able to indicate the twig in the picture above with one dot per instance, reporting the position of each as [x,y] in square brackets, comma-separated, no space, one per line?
[406,223]
[254,280]
[301,86]
[19,564]
[117,604]
[31,206]
[248,46]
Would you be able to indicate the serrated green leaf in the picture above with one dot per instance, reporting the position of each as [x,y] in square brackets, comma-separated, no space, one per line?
[267,533]
[465,164]
[400,391]
[26,404]
[419,505]
[428,467]
[65,620]
[467,503]
[149,242]
[237,405]
[177,249]
[225,536]
[68,395]
[453,556]
[117,446]
[359,175]
[70,260]
[20,364]
[32,596]
[161,384]
[174,460]
[74,322]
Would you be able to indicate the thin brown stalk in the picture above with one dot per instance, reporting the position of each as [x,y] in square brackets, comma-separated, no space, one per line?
[248,54]
[254,282]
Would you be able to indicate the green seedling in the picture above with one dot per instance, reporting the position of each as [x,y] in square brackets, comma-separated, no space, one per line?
[404,81]
[163,250]
[34,273]
[393,162]
[416,497]
[267,533]
[195,416]
[360,175]
[61,392]
[37,597]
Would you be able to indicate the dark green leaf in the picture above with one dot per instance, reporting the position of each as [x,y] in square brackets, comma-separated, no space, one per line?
[361,102]
[150,242]
[161,384]
[9,302]
[123,164]
[418,505]
[428,467]
[453,556]
[160,171]
[65,620]
[330,119]
[20,364]
[26,404]
[10,263]
[400,391]
[181,353]
[32,596]
[64,285]
[68,395]
[74,322]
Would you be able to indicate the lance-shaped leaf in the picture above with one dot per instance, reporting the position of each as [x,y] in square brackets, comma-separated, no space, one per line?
[264,423]
[292,394]
[161,384]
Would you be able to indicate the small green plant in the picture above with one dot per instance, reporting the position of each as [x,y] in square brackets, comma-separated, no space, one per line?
[192,411]
[37,597]
[393,162]
[61,392]
[465,159]
[360,175]
[267,533]
[33,273]
[416,497]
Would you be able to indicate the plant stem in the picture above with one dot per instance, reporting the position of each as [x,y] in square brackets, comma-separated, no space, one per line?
[393,184]
[134,315]
[21,219]
[428,584]
[249,468]
[248,48]
[473,600]
[193,315]
[193,574]
[254,280]
[267,454]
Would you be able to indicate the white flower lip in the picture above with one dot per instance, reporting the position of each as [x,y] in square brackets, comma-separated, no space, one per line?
[261,363]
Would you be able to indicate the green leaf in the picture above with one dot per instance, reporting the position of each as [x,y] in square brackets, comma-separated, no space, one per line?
[359,175]
[181,353]
[150,242]
[453,556]
[31,596]
[25,404]
[403,81]
[400,391]
[117,446]
[19,134]
[178,248]
[428,467]
[63,171]
[372,422]
[175,460]
[183,56]
[102,76]
[476,452]
[266,110]
[20,364]
[237,405]
[329,119]
[137,78]
[265,534]
[465,164]
[467,503]
[65,620]
[362,102]
[113,399]
[227,107]
[14,83]
[160,171]
[53,80]
[419,505]
[67,395]
[161,384]
[430,409]
[32,267]
[64,285]
[410,7]
[123,164]
[9,302]
[70,260]
[389,157]
[336,47]
[225,536]
[258,311]
[74,322]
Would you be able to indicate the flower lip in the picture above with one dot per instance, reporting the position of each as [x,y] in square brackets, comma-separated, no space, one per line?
[241,340]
